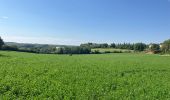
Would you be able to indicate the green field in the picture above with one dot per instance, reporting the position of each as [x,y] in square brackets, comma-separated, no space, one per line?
[112,50]
[82,77]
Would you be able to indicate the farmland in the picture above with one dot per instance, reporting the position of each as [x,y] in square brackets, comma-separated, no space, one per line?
[105,76]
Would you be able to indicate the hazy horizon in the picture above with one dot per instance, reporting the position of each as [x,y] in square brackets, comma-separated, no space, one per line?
[62,42]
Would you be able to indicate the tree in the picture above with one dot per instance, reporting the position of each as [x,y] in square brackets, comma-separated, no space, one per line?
[139,47]
[166,46]
[104,45]
[154,47]
[10,48]
[74,50]
[59,51]
[1,43]
[113,45]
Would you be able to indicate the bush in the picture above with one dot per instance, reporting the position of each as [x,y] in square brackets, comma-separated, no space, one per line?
[117,51]
[96,52]
[107,52]
[11,48]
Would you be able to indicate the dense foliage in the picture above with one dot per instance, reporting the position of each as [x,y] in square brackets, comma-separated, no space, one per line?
[95,45]
[166,46]
[1,43]
[139,47]
[86,48]
[46,49]
[26,76]
[128,46]
[73,50]
[12,47]
[154,47]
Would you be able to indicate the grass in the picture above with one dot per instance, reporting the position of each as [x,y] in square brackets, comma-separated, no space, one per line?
[112,50]
[81,77]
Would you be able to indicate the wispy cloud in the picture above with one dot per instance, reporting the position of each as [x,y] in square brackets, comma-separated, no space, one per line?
[3,17]
[41,40]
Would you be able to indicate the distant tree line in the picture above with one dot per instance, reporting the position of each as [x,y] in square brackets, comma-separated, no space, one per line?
[128,46]
[73,50]
[95,45]
[153,47]
[86,48]
[45,49]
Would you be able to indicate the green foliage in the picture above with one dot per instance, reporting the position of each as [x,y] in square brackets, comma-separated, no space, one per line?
[128,46]
[111,50]
[95,52]
[166,46]
[139,47]
[12,47]
[154,47]
[95,45]
[73,50]
[113,45]
[1,43]
[34,48]
[26,76]
[46,49]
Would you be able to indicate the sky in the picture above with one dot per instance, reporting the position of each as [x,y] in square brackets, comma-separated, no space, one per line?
[73,22]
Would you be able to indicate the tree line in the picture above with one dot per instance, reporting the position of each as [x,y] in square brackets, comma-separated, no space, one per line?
[86,48]
[128,46]
[45,49]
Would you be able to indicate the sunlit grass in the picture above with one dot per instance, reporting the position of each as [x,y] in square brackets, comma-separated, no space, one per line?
[105,76]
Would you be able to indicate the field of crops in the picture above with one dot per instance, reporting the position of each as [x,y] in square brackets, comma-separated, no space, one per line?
[81,77]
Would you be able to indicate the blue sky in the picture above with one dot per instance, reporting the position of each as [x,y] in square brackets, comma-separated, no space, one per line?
[79,21]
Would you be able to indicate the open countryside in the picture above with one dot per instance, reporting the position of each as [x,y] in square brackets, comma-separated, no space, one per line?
[105,76]
[84,49]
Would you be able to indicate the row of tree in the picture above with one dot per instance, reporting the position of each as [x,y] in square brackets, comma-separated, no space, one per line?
[73,50]
[128,46]
[153,47]
[95,45]
[86,48]
[46,49]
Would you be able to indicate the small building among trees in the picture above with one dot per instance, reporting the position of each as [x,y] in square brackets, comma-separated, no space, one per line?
[154,48]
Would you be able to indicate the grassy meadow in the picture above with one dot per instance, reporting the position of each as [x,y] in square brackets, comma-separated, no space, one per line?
[123,76]
[112,50]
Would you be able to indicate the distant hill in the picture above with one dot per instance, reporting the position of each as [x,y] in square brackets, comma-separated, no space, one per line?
[29,45]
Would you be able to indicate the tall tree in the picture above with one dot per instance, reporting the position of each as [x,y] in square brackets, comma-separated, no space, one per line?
[113,45]
[1,42]
[139,47]
[166,46]
[154,47]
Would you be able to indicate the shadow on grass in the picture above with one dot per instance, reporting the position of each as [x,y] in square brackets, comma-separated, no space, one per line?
[4,55]
[132,72]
